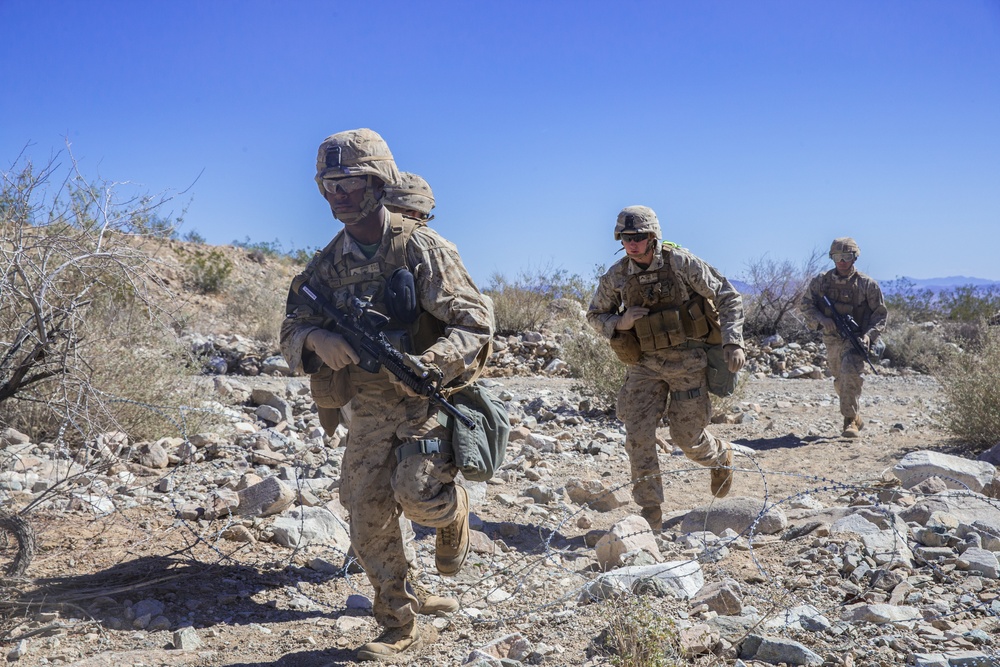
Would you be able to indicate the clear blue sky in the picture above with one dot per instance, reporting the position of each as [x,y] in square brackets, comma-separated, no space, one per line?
[752,128]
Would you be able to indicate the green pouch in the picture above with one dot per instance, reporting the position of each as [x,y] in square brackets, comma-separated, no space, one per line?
[478,452]
[720,381]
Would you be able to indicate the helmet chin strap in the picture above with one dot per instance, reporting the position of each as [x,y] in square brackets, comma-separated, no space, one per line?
[368,205]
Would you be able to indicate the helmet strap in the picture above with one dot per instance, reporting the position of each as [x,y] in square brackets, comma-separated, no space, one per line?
[368,205]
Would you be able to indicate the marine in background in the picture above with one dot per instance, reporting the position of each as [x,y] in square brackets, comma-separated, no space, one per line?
[661,308]
[851,293]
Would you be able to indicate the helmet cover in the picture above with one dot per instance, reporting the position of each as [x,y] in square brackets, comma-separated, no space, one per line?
[635,220]
[413,193]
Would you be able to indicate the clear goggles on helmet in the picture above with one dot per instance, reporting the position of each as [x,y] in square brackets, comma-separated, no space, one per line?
[843,256]
[347,185]
[634,238]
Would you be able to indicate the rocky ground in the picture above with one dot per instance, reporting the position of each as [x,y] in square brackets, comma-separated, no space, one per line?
[825,552]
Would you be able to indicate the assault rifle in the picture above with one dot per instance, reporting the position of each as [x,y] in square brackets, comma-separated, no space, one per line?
[362,328]
[850,331]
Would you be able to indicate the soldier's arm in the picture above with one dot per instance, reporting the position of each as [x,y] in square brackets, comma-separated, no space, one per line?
[447,292]
[300,320]
[808,304]
[879,315]
[602,314]
[706,280]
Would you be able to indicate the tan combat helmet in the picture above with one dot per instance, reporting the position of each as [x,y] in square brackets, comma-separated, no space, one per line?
[355,153]
[412,194]
[360,152]
[635,220]
[845,244]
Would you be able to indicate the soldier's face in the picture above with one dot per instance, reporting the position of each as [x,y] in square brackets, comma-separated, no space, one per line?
[636,246]
[844,262]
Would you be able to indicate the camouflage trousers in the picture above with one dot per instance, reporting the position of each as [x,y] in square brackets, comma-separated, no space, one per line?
[674,381]
[846,365]
[376,491]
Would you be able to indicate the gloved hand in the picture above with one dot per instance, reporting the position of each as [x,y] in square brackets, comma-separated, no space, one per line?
[628,319]
[828,325]
[417,365]
[736,358]
[866,342]
[332,348]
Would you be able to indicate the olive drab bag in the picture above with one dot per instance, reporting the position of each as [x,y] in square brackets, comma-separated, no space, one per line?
[478,452]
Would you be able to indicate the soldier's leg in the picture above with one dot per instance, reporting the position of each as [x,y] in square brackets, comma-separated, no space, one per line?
[366,492]
[641,402]
[690,408]
[424,486]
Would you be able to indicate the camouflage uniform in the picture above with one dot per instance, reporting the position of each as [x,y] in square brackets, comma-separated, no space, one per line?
[455,326]
[861,297]
[672,379]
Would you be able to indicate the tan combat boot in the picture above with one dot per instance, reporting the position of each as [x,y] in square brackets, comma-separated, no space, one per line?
[722,475]
[394,641]
[654,517]
[852,427]
[430,604]
[452,544]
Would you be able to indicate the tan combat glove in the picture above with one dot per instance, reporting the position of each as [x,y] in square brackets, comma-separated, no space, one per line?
[629,317]
[332,348]
[827,324]
[736,358]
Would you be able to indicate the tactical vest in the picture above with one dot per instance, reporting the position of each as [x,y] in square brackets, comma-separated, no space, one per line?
[366,279]
[847,297]
[676,314]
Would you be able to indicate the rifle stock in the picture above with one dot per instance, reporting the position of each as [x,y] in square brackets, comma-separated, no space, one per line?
[850,331]
[375,351]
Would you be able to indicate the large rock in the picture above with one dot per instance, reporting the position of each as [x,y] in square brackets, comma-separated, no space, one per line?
[630,534]
[682,578]
[596,494]
[956,472]
[738,514]
[269,496]
[311,525]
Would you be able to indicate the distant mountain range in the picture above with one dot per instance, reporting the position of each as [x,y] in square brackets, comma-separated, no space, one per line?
[938,284]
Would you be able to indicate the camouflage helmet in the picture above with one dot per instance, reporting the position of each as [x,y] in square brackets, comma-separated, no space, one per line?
[637,219]
[355,153]
[845,244]
[413,193]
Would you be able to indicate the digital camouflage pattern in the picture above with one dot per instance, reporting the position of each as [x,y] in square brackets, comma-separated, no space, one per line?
[845,244]
[374,489]
[637,219]
[413,193]
[671,380]
[856,295]
[360,152]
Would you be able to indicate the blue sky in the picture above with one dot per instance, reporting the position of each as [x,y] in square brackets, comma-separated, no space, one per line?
[752,128]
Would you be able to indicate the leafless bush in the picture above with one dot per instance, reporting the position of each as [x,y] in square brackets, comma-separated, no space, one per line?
[592,362]
[78,302]
[776,288]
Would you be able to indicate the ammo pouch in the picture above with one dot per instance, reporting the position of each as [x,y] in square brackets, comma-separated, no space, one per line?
[720,381]
[478,453]
[674,326]
[625,345]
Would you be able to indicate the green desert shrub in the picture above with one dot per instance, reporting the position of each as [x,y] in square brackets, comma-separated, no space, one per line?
[208,270]
[592,361]
[972,393]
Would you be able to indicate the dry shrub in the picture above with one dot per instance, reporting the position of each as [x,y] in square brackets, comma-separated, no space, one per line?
[256,308]
[922,347]
[592,361]
[771,304]
[525,303]
[973,394]
[639,636]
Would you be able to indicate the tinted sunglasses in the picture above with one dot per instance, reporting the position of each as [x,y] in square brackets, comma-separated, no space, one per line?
[634,238]
[843,256]
[346,185]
